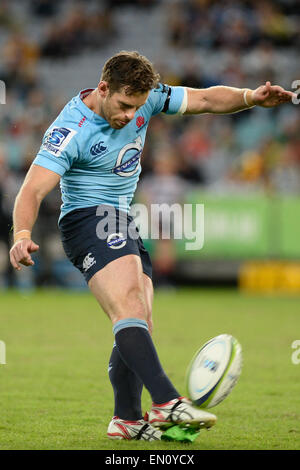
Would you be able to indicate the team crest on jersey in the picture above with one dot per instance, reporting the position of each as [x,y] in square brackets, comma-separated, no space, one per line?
[56,139]
[98,149]
[140,122]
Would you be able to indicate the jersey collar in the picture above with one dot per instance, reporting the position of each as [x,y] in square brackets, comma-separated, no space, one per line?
[85,109]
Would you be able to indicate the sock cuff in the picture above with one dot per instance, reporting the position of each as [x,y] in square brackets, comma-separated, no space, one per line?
[129,322]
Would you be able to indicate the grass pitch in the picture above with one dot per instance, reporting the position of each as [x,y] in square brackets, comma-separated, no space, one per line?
[55,392]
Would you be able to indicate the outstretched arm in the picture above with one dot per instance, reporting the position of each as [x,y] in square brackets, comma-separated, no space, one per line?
[225,100]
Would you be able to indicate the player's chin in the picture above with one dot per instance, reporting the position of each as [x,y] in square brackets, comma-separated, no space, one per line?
[119,124]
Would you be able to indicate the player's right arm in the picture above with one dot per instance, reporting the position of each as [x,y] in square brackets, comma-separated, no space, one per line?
[38,183]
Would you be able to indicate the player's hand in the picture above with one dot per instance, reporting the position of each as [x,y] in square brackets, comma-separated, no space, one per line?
[20,253]
[269,95]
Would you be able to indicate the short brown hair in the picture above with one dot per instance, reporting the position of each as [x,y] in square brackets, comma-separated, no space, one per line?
[131,70]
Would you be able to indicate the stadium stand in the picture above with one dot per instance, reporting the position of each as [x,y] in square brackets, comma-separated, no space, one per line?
[52,49]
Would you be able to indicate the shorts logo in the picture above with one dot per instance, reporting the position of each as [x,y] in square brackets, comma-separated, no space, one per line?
[88,262]
[116,241]
[56,140]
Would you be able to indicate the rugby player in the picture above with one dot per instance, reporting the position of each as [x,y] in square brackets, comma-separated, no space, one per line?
[94,149]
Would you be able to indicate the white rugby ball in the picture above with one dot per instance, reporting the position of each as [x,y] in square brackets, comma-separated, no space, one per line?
[214,371]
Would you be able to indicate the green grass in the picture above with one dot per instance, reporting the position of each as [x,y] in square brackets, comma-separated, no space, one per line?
[55,392]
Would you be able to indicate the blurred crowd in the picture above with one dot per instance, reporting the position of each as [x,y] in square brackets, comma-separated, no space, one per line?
[215,24]
[255,150]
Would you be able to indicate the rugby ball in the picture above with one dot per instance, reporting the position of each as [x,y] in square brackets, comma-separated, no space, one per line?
[214,371]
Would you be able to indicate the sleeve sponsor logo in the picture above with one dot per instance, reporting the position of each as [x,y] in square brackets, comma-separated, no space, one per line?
[57,139]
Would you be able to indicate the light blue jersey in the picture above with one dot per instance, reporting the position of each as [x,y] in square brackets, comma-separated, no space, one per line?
[99,164]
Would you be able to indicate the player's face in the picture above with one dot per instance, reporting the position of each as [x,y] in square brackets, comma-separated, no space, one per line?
[119,109]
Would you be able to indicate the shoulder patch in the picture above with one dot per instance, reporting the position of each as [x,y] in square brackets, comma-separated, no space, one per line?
[56,139]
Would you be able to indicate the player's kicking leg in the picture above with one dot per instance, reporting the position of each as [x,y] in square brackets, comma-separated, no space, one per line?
[120,290]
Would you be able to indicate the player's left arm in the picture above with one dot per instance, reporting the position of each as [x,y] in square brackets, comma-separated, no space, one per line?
[224,99]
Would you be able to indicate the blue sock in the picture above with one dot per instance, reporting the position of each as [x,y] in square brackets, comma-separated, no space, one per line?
[137,350]
[127,388]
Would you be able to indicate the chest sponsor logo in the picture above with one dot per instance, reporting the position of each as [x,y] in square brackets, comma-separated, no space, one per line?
[130,166]
[57,139]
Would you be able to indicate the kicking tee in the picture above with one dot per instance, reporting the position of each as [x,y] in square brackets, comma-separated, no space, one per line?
[99,164]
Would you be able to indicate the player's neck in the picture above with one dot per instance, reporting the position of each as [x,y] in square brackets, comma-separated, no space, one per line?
[91,102]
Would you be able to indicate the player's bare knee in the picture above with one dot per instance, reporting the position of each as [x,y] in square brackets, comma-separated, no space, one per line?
[131,305]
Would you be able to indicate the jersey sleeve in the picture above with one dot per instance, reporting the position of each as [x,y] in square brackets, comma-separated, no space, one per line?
[59,149]
[168,99]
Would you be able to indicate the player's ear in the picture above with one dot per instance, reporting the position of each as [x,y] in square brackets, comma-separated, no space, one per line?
[103,88]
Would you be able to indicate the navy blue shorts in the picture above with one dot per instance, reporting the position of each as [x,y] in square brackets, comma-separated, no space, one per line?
[94,236]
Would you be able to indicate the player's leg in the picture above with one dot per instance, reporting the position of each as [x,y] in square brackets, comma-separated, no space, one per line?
[181,410]
[127,386]
[148,291]
[119,288]
[127,309]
